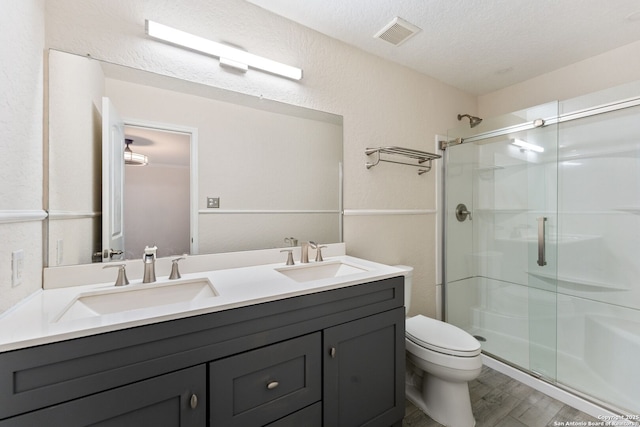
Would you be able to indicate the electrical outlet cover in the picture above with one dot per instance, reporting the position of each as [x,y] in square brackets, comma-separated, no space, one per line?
[17,267]
[59,251]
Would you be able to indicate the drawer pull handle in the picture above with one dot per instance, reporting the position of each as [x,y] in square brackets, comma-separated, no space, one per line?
[272,385]
[193,402]
[332,352]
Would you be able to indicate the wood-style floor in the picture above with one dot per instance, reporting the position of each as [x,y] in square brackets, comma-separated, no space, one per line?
[500,401]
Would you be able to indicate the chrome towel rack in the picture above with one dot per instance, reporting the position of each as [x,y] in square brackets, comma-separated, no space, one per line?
[422,158]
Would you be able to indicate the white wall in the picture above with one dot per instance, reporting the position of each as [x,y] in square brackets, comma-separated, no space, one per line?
[382,103]
[21,117]
[613,68]
[74,147]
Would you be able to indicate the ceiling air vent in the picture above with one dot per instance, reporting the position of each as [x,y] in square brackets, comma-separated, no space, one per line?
[397,31]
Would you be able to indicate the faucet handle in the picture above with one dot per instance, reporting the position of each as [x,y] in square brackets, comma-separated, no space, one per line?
[319,253]
[289,256]
[122,274]
[150,252]
[175,272]
[291,241]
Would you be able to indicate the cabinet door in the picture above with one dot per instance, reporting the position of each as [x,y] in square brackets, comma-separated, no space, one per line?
[364,371]
[171,400]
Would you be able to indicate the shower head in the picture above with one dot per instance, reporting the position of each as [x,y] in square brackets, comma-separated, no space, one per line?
[473,120]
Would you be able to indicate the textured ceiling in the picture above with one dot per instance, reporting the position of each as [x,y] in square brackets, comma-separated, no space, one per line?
[478,46]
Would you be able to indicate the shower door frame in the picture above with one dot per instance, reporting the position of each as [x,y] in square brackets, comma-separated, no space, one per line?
[524,176]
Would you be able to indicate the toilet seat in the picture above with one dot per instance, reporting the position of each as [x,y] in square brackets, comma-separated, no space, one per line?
[441,337]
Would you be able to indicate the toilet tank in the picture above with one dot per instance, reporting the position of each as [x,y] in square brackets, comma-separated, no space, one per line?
[408,278]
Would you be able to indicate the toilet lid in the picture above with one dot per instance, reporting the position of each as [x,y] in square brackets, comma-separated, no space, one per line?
[441,337]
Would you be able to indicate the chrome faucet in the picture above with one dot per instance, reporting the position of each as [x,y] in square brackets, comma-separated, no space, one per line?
[149,260]
[175,271]
[319,253]
[289,256]
[304,256]
[122,279]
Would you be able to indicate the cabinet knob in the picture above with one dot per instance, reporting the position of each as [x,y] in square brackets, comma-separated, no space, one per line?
[193,402]
[272,385]
[332,352]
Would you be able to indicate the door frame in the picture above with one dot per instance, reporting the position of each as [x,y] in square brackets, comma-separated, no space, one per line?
[112,240]
[193,170]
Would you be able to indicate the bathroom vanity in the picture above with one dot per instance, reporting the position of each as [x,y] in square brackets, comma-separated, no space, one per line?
[333,356]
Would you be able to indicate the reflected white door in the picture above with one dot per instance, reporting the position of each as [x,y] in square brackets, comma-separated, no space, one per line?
[112,183]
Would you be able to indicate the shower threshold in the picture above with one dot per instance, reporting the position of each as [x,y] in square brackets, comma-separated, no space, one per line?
[568,397]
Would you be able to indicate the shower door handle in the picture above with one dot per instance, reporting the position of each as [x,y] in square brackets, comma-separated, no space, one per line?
[541,241]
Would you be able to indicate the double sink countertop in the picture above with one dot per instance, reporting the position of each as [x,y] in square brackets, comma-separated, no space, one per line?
[63,313]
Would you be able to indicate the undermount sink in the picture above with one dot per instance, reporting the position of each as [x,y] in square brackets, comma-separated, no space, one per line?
[134,297]
[320,270]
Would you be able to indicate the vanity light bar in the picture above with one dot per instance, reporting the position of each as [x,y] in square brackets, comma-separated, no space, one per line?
[228,55]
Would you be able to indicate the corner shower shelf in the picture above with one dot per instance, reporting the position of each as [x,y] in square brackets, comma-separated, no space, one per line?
[421,157]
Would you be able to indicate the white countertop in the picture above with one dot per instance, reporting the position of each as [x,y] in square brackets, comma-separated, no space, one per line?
[34,322]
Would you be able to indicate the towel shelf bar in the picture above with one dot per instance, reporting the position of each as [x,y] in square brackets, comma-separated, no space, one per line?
[422,158]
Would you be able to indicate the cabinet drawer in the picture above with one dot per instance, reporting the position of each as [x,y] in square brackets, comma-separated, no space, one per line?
[311,416]
[263,385]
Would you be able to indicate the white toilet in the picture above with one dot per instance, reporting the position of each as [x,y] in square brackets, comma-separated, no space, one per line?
[441,360]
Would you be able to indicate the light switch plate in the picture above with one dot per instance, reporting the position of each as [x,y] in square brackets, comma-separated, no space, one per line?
[213,202]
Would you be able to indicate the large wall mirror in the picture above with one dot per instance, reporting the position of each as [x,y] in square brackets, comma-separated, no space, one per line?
[225,171]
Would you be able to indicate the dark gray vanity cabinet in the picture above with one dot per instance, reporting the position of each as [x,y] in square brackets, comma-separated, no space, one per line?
[332,358]
[177,399]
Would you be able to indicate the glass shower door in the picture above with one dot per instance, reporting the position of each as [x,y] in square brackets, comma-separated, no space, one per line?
[598,268]
[500,257]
